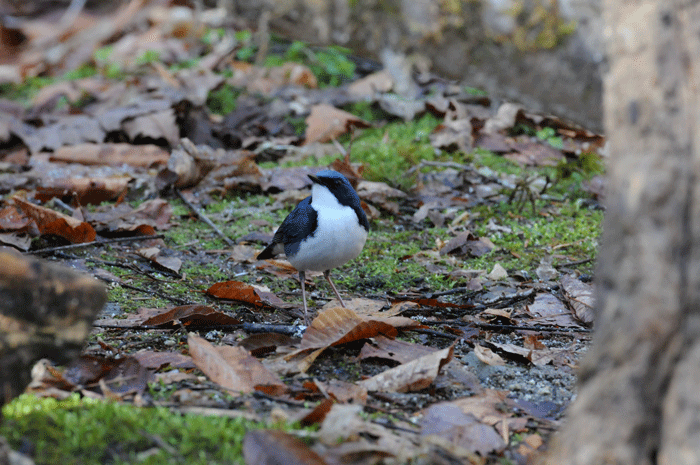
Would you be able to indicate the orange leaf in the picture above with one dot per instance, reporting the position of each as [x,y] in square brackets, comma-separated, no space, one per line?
[52,222]
[242,292]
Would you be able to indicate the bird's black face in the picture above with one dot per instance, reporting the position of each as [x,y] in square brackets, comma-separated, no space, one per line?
[334,181]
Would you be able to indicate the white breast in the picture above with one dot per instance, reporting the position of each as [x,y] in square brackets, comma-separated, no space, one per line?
[338,239]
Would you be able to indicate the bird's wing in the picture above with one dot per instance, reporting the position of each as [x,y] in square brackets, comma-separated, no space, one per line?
[299,224]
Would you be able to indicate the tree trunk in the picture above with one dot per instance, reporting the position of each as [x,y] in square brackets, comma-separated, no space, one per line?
[639,393]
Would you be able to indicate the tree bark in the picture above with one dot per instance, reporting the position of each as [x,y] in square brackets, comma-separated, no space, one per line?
[639,386]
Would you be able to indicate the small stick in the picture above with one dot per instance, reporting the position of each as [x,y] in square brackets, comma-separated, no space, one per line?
[87,244]
[203,218]
[146,291]
[287,330]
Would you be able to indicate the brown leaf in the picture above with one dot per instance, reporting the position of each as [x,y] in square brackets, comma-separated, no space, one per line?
[190,315]
[491,407]
[12,218]
[466,243]
[154,254]
[488,356]
[128,376]
[231,367]
[326,123]
[143,220]
[547,309]
[412,376]
[537,357]
[580,296]
[242,292]
[394,349]
[156,360]
[112,154]
[341,325]
[267,447]
[448,426]
[264,343]
[52,222]
[453,135]
[372,84]
[316,416]
[85,190]
[344,392]
[153,126]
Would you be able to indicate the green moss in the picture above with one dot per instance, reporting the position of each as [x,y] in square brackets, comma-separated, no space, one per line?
[388,152]
[223,100]
[368,111]
[86,432]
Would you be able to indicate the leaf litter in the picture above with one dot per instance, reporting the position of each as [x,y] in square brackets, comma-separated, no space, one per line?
[457,372]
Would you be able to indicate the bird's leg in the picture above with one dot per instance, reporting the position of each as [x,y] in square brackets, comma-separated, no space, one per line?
[302,279]
[327,275]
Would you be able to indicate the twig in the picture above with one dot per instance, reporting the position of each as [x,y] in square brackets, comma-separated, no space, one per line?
[432,332]
[576,263]
[203,218]
[287,330]
[88,244]
[548,329]
[146,291]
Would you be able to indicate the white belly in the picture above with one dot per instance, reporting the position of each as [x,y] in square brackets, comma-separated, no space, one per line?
[339,238]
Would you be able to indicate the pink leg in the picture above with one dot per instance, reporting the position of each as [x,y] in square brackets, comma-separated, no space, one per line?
[302,278]
[327,275]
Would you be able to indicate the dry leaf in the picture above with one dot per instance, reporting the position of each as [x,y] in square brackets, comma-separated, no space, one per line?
[488,356]
[341,325]
[412,376]
[268,447]
[394,349]
[52,222]
[580,296]
[112,154]
[446,425]
[231,367]
[190,315]
[242,292]
[326,123]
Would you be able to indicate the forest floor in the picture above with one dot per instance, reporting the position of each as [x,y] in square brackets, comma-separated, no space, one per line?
[163,166]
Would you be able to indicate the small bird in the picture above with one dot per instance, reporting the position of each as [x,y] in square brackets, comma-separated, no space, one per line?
[324,231]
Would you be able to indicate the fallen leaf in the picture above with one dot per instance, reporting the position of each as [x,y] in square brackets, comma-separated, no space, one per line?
[341,325]
[87,191]
[394,349]
[232,367]
[412,376]
[318,413]
[580,296]
[190,315]
[112,154]
[326,123]
[155,255]
[156,360]
[547,309]
[488,356]
[267,447]
[343,391]
[264,343]
[446,425]
[52,222]
[242,292]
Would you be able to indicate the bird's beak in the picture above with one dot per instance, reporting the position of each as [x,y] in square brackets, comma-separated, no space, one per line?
[314,179]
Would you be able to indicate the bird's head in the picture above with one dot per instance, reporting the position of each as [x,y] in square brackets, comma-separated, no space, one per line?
[337,184]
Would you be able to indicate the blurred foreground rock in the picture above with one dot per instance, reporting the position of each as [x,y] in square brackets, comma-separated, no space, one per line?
[46,311]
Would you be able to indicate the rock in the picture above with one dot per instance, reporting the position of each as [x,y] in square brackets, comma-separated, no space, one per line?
[46,311]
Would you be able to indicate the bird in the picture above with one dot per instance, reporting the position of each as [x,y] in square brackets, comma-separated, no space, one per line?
[324,231]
